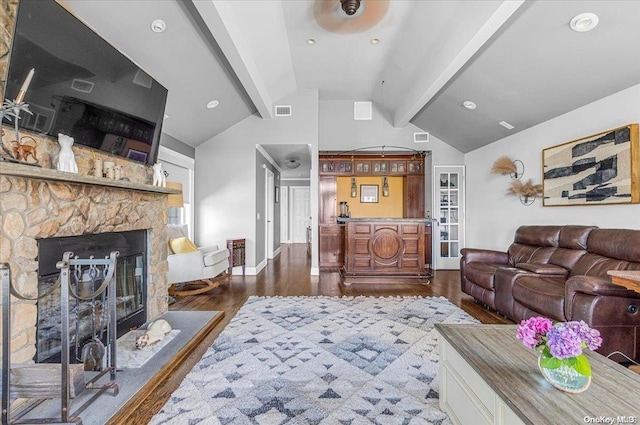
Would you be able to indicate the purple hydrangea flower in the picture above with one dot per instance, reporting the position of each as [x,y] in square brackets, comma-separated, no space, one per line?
[564,341]
[589,336]
[532,331]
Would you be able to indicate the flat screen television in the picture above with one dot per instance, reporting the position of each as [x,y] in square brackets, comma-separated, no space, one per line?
[82,86]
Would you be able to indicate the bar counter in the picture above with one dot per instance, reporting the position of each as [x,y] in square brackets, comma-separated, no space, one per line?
[387,250]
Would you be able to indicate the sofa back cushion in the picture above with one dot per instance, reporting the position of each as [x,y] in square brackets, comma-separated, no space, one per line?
[597,265]
[609,249]
[566,258]
[538,235]
[533,244]
[575,237]
[519,253]
[621,244]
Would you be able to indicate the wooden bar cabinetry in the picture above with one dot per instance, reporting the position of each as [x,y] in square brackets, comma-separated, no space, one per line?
[385,250]
[331,234]
[331,245]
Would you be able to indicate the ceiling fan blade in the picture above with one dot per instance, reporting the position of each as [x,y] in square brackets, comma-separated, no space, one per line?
[330,16]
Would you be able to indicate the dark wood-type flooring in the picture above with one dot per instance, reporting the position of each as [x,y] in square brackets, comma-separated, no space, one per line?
[288,275]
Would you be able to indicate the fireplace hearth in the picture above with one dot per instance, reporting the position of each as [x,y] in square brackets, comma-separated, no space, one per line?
[88,318]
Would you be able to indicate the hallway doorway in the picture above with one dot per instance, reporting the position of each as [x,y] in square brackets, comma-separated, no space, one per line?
[300,213]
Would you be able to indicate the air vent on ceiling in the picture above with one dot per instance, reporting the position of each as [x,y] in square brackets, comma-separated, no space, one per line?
[283,110]
[362,111]
[506,125]
[421,137]
[82,85]
[142,79]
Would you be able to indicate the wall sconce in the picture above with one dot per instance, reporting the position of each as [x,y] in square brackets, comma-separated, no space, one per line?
[354,188]
[175,200]
[504,165]
[385,187]
[527,192]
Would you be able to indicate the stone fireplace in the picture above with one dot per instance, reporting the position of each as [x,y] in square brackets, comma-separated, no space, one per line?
[37,204]
[41,203]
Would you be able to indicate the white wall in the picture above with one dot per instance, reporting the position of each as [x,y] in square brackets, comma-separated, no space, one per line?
[493,217]
[226,173]
[339,132]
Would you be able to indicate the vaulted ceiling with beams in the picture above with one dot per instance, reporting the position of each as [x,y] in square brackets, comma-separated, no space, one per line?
[419,60]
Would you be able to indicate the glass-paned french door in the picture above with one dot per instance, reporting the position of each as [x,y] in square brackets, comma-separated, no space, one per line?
[449,213]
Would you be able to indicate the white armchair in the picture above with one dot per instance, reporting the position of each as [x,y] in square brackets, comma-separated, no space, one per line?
[192,273]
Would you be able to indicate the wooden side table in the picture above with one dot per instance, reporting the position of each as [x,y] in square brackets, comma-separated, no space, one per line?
[630,279]
[236,249]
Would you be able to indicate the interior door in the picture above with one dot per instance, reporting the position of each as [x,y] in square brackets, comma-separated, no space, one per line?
[449,213]
[300,213]
[270,208]
[284,215]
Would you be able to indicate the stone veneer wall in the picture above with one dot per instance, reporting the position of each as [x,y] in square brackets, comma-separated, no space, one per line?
[8,9]
[33,209]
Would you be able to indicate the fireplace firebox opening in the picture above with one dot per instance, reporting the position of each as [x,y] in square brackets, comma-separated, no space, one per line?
[87,318]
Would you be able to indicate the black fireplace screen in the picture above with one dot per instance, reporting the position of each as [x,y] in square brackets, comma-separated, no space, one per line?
[87,319]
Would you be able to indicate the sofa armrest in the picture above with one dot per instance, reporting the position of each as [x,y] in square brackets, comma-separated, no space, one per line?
[184,267]
[587,295]
[471,255]
[594,285]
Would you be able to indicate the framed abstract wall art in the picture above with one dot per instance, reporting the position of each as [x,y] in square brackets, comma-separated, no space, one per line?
[595,170]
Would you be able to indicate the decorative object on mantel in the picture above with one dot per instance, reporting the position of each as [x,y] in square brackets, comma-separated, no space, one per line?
[559,349]
[12,108]
[22,150]
[159,178]
[66,158]
[595,170]
[505,165]
[528,192]
[97,167]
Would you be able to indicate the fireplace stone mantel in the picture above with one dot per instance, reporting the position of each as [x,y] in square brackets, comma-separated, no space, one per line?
[32,172]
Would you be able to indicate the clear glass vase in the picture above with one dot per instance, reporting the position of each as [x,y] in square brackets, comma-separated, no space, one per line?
[565,378]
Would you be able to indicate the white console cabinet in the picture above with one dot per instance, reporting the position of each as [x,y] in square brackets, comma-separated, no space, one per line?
[488,377]
[465,396]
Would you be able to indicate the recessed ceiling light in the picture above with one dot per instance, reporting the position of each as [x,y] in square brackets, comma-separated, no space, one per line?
[469,104]
[212,104]
[158,25]
[310,41]
[584,22]
[375,41]
[506,125]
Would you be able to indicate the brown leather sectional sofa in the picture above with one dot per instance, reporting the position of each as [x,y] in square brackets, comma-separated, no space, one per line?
[561,272]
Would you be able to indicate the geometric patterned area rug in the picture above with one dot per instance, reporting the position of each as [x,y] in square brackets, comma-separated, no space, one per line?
[320,360]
